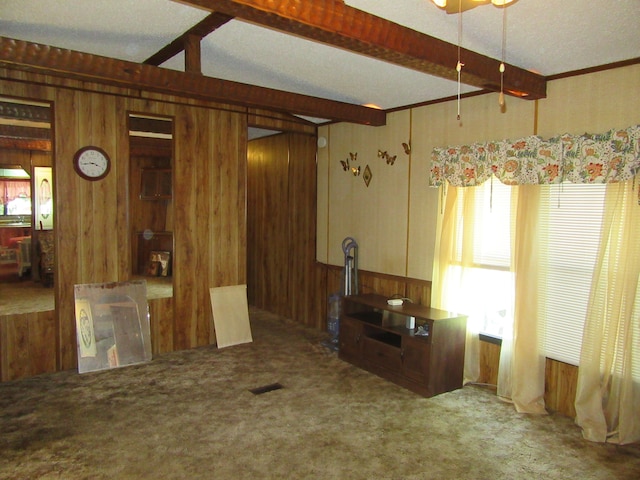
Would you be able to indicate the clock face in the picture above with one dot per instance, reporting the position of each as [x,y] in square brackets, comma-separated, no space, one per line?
[91,163]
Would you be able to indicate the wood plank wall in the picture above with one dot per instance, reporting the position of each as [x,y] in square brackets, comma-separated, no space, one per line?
[268,214]
[27,345]
[93,241]
[283,276]
[561,381]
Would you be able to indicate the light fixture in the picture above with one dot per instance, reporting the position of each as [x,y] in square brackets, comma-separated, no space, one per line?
[457,6]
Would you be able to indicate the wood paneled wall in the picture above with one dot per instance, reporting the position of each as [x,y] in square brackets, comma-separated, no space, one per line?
[283,276]
[561,382]
[27,345]
[561,379]
[93,241]
[418,291]
[489,363]
[268,217]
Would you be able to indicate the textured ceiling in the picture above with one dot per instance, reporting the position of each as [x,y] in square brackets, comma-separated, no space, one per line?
[546,36]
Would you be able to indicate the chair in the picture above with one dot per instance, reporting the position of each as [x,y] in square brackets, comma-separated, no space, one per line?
[24,256]
[46,256]
[8,256]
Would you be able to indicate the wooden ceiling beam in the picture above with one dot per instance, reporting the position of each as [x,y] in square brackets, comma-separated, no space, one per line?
[339,25]
[17,137]
[212,22]
[25,144]
[19,132]
[34,57]
[25,138]
[192,54]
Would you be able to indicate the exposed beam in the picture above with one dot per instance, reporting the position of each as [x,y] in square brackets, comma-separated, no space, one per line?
[25,138]
[29,56]
[20,132]
[192,54]
[269,120]
[334,23]
[25,144]
[201,30]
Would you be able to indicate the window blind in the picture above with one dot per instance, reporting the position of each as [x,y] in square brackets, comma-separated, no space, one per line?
[569,249]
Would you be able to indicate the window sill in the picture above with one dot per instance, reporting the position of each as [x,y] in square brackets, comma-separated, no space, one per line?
[490,339]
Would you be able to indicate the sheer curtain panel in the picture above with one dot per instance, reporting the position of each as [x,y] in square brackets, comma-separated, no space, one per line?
[608,392]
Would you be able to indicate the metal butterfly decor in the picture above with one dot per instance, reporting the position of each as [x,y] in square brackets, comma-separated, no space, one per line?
[346,166]
[389,159]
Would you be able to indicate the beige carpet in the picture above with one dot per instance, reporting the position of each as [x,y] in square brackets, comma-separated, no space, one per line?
[190,415]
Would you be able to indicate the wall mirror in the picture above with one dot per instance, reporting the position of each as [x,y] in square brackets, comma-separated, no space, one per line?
[151,148]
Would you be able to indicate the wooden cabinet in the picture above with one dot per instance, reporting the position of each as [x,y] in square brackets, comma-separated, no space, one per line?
[156,184]
[374,336]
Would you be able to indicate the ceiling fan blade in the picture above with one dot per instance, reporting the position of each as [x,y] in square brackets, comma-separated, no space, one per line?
[454,7]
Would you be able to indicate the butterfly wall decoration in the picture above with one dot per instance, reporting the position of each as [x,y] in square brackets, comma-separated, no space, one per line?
[346,165]
[388,158]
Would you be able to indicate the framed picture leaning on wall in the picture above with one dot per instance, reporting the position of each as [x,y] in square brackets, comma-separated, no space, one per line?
[162,261]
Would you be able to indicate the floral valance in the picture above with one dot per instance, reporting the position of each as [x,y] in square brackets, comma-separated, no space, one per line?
[613,156]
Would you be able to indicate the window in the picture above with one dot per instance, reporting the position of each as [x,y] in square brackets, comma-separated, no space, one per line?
[479,282]
[570,220]
[15,197]
[482,280]
[572,232]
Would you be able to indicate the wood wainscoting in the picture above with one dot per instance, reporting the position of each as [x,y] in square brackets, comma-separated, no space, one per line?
[560,382]
[28,343]
[560,379]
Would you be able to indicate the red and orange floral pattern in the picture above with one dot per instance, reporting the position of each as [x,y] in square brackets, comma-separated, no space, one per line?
[590,158]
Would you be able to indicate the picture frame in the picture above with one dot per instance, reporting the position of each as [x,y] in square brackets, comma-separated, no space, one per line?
[153,269]
[43,197]
[163,260]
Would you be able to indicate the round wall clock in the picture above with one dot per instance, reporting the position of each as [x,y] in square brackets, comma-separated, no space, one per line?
[91,163]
